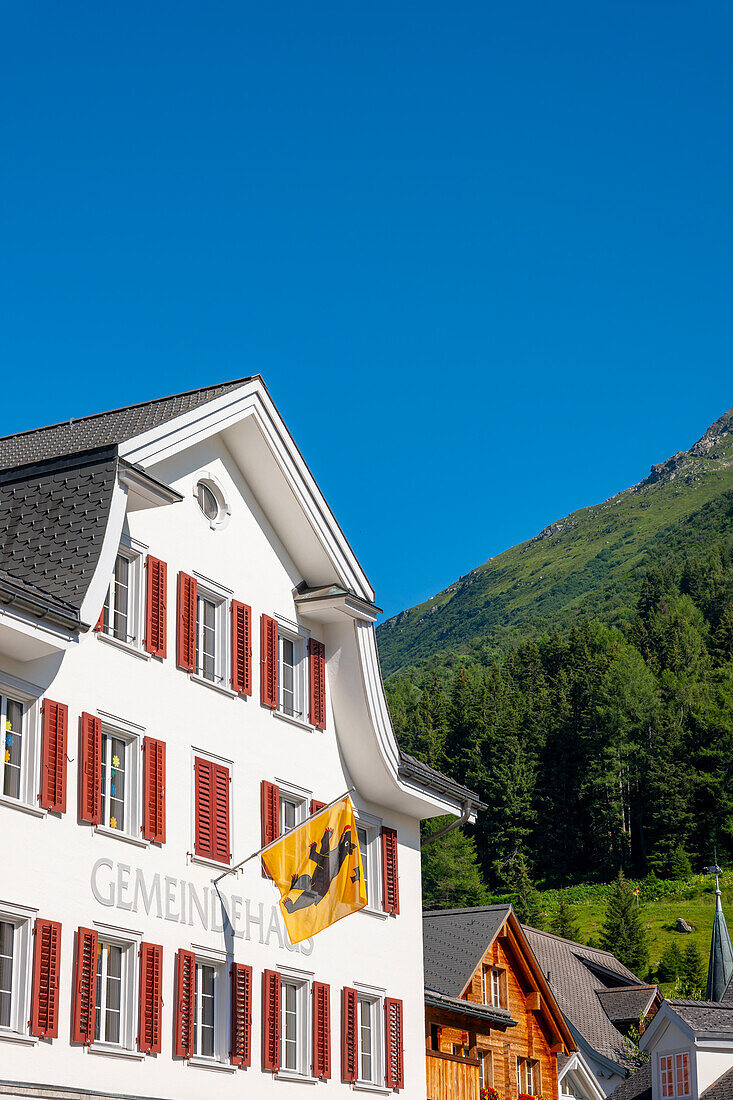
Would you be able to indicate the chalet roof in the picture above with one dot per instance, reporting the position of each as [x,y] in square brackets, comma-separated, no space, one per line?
[455,941]
[705,1017]
[636,1087]
[106,428]
[576,974]
[497,1017]
[720,966]
[722,1089]
[52,523]
[625,1003]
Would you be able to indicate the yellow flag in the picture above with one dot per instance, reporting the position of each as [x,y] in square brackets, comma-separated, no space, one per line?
[318,871]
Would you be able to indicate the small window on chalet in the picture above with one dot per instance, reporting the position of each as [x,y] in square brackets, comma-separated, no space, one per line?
[494,987]
[528,1076]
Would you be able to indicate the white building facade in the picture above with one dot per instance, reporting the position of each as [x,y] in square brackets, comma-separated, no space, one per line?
[231,681]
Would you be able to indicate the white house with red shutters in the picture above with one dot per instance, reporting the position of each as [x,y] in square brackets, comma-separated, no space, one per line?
[187,667]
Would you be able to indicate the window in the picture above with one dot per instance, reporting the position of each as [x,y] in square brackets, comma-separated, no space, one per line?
[291,673]
[210,635]
[294,1028]
[368,837]
[493,982]
[485,1069]
[674,1072]
[15,939]
[212,502]
[121,614]
[7,962]
[204,1013]
[119,779]
[108,1022]
[368,1039]
[11,712]
[528,1076]
[293,806]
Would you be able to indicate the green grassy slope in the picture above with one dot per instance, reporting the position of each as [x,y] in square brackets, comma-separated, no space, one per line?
[585,564]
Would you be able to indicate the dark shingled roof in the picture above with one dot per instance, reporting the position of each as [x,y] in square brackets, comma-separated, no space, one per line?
[722,1089]
[626,1002]
[572,971]
[103,429]
[455,941]
[636,1087]
[53,517]
[411,768]
[497,1017]
[705,1017]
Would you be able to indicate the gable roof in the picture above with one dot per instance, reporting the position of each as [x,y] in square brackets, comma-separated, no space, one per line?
[573,972]
[454,943]
[705,1017]
[106,428]
[625,1003]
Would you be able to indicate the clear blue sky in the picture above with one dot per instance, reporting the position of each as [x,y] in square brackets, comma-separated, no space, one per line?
[480,252]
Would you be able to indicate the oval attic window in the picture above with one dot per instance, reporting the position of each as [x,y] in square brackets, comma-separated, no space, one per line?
[208,503]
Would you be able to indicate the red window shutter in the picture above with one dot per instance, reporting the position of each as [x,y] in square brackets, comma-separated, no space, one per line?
[100,621]
[186,635]
[348,1034]
[220,822]
[184,1004]
[241,648]
[44,1020]
[271,1020]
[90,769]
[270,798]
[241,1045]
[154,790]
[55,717]
[85,986]
[390,875]
[316,806]
[156,607]
[317,676]
[394,1052]
[321,1030]
[151,998]
[269,659]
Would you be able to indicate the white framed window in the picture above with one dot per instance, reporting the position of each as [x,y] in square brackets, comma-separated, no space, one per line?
[528,1076]
[293,805]
[19,763]
[115,1023]
[210,1015]
[493,983]
[485,1069]
[369,1043]
[212,632]
[367,831]
[292,671]
[15,945]
[295,1004]
[211,499]
[122,614]
[674,1074]
[121,776]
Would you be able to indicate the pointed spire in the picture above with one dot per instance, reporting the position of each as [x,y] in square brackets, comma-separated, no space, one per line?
[720,967]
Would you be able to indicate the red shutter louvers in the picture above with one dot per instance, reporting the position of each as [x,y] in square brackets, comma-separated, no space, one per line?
[349,1061]
[55,717]
[184,1003]
[271,988]
[270,814]
[269,661]
[241,1043]
[44,1021]
[390,873]
[316,805]
[85,986]
[154,790]
[186,632]
[321,1030]
[317,677]
[241,648]
[90,769]
[394,1053]
[212,810]
[151,998]
[156,607]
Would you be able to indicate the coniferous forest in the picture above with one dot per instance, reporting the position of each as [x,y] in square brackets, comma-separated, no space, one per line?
[601,749]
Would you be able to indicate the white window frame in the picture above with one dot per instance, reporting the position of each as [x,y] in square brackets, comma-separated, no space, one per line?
[491,985]
[132,735]
[301,981]
[129,992]
[133,552]
[372,826]
[375,998]
[211,482]
[217,959]
[22,919]
[223,762]
[219,596]
[27,695]
[485,1059]
[298,635]
[527,1070]
[298,796]
[674,1055]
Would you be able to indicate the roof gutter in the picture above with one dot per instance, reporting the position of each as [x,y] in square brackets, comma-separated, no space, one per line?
[466,812]
[14,598]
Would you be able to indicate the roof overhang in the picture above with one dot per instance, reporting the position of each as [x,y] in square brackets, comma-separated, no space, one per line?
[495,1017]
[577,1065]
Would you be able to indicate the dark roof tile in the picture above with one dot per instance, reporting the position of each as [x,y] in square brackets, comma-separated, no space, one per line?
[455,941]
[636,1087]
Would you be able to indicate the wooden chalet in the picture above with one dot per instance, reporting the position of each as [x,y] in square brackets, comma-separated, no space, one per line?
[491,1020]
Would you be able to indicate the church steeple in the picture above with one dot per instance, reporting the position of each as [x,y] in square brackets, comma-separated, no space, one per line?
[720,967]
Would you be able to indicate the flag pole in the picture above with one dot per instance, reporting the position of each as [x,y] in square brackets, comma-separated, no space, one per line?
[254,855]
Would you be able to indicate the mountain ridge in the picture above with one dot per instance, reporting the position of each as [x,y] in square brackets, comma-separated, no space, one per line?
[585,554]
